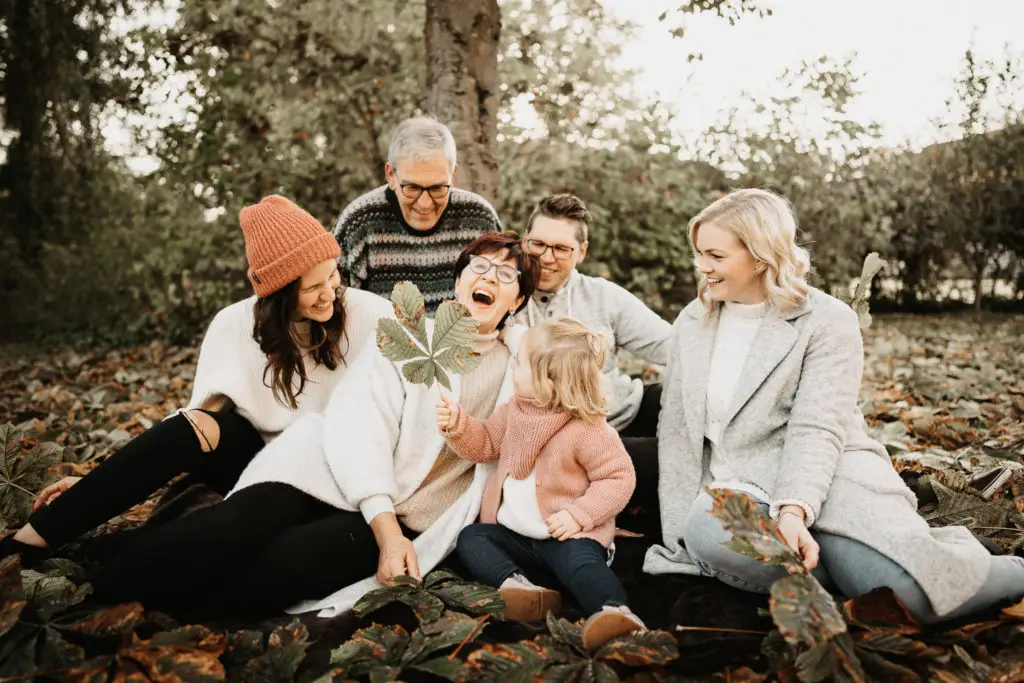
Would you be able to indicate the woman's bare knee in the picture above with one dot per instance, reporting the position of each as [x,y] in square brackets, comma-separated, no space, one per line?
[29,536]
[206,428]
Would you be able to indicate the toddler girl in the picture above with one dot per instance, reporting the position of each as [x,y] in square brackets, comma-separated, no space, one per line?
[562,476]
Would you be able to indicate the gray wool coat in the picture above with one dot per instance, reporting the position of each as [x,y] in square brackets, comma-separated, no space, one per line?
[794,429]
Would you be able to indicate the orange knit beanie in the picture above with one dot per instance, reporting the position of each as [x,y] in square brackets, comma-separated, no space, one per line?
[282,242]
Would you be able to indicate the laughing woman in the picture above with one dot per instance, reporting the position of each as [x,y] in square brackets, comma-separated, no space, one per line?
[761,398]
[275,357]
[368,489]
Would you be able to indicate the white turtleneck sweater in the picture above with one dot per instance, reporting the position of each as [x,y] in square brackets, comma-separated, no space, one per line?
[737,327]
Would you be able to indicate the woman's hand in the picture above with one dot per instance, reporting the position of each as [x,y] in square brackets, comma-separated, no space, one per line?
[797,536]
[397,558]
[562,525]
[446,414]
[51,492]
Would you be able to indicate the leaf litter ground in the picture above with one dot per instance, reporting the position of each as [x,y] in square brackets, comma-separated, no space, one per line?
[946,396]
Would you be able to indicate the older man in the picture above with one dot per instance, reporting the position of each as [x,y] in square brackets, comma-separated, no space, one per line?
[414,227]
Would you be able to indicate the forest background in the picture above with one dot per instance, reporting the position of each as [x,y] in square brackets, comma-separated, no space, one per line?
[229,101]
[114,260]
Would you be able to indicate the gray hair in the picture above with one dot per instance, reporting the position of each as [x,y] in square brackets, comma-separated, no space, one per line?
[421,138]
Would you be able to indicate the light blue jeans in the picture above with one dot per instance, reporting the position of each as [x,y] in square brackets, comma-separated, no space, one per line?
[846,565]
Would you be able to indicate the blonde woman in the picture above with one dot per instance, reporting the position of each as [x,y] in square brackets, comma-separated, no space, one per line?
[761,398]
[562,476]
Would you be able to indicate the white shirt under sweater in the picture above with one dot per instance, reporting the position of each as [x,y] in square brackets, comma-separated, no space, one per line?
[231,363]
[737,328]
[519,511]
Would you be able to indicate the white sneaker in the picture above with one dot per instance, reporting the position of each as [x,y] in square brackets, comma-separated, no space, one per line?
[611,622]
[526,601]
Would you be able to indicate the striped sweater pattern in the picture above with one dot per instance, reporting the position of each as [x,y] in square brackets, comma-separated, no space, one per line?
[379,249]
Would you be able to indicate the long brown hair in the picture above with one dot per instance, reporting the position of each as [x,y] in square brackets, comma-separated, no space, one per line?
[274,330]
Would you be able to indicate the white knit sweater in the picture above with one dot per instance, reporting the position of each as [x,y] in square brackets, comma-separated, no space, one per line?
[370,450]
[231,363]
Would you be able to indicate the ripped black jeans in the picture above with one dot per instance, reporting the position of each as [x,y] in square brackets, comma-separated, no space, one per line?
[141,467]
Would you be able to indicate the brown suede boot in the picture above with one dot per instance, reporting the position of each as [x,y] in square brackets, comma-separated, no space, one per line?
[525,601]
[611,622]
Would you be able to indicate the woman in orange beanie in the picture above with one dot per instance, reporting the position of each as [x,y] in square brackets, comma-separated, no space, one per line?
[264,363]
[345,500]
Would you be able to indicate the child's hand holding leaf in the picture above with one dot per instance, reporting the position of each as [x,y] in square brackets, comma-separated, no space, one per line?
[447,414]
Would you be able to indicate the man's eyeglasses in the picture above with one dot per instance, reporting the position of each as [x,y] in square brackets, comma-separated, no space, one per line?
[414,191]
[481,264]
[559,251]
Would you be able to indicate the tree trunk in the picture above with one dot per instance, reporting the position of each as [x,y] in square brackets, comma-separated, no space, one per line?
[462,84]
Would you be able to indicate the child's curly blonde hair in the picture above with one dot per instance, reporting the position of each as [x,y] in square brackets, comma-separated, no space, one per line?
[565,363]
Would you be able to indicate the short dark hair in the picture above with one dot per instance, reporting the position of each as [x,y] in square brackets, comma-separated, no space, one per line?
[495,242]
[567,207]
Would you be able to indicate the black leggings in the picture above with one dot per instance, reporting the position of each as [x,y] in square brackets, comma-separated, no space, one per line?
[645,422]
[640,437]
[145,464]
[260,551]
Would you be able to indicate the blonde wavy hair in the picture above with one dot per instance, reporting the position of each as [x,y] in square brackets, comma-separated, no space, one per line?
[765,224]
[565,364]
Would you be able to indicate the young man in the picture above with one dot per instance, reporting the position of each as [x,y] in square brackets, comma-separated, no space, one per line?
[557,234]
[414,227]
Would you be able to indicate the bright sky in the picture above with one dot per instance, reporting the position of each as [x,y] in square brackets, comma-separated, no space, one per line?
[908,50]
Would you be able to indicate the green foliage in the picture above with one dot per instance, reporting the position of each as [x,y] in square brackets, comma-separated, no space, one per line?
[383,653]
[754,534]
[152,268]
[302,100]
[48,632]
[440,590]
[12,595]
[561,656]
[806,616]
[406,341]
[59,75]
[871,637]
[23,471]
[279,659]
[34,625]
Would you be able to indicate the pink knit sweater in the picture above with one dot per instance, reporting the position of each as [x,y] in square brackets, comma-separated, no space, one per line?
[580,467]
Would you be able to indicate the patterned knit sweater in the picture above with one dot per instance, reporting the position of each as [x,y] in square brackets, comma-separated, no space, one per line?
[580,467]
[379,249]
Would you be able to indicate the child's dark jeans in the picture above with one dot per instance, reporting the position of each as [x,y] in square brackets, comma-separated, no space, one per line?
[493,553]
